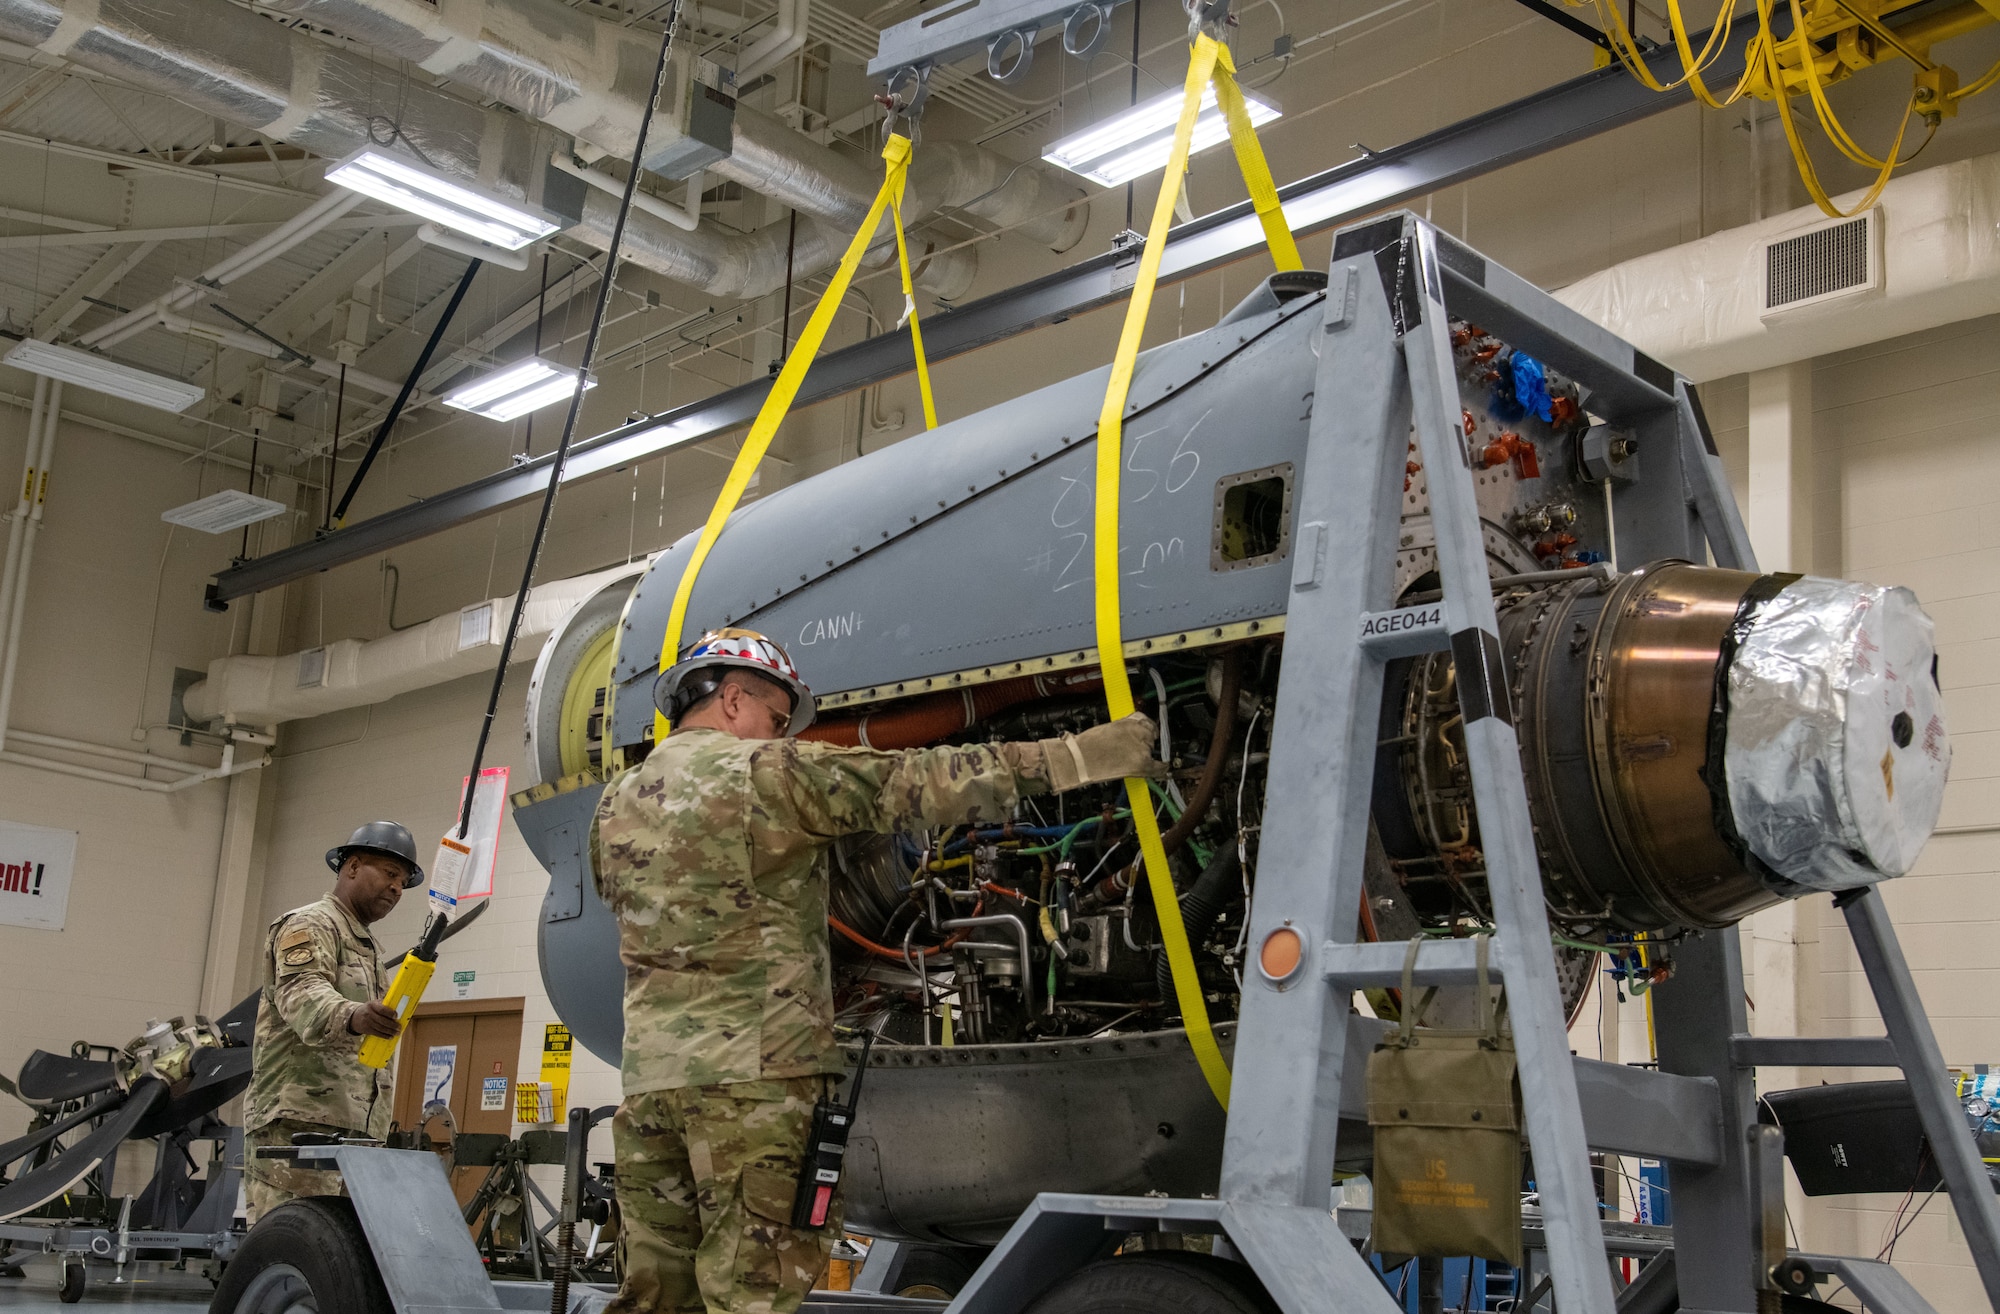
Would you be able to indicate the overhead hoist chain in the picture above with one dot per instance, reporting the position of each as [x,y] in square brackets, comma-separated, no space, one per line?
[889,199]
[1208,62]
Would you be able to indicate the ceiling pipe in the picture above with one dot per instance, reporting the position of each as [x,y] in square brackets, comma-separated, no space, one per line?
[257,254]
[785,39]
[256,346]
[229,767]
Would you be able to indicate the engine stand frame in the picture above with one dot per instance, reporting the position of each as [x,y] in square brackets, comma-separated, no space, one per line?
[1386,367]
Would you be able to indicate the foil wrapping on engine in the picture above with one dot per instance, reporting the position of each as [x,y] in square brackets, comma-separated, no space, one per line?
[1836,751]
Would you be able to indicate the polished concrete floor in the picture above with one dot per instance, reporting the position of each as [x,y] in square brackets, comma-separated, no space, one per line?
[146,1286]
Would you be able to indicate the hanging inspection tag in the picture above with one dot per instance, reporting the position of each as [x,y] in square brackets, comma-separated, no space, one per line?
[786,389]
[448,870]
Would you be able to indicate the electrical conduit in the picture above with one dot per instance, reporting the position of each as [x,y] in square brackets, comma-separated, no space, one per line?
[42,446]
[18,524]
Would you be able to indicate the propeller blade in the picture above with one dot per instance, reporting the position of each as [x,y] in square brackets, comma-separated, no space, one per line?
[219,1076]
[34,1140]
[53,1078]
[34,1189]
[240,1023]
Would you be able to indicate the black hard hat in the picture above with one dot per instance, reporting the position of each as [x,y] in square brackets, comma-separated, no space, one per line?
[388,837]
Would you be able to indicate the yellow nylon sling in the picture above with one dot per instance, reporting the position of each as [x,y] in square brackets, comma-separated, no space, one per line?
[1208,60]
[786,389]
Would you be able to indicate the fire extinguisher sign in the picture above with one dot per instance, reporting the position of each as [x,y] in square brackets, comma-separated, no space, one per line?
[35,864]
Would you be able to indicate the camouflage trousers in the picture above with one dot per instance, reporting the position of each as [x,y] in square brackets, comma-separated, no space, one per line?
[268,1183]
[706,1177]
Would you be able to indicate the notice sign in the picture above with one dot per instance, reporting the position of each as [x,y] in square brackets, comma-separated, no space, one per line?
[492,1094]
[438,1073]
[35,865]
[555,1065]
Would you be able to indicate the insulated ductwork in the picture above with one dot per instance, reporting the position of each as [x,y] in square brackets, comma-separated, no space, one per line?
[747,265]
[590,78]
[1798,285]
[357,673]
[294,88]
[232,64]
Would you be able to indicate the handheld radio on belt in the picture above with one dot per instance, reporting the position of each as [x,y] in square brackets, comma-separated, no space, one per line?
[826,1149]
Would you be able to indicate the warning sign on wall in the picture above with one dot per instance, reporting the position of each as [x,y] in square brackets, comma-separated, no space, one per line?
[35,864]
[555,1065]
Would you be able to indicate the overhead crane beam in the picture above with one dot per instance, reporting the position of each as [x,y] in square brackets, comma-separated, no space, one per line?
[1568,112]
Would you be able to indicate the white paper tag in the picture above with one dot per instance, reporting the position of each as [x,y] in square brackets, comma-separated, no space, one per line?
[448,873]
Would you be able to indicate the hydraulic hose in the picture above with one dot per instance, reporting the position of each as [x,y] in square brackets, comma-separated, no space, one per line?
[1200,907]
[1218,749]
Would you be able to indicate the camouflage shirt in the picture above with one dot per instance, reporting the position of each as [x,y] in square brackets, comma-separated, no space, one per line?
[710,854]
[320,964]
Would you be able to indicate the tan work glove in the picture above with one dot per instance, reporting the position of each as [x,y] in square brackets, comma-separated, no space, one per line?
[1112,751]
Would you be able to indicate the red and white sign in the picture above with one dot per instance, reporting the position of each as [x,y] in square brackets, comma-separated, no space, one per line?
[35,866]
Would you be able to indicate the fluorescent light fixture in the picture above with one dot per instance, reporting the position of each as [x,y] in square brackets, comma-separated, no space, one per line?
[518,389]
[1134,143]
[410,186]
[87,369]
[218,513]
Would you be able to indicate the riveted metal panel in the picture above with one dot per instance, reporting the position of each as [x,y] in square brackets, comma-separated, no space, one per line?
[982,557]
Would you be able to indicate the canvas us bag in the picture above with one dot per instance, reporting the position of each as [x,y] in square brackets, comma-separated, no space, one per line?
[1446,1111]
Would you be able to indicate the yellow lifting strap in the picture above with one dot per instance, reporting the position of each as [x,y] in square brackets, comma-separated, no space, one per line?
[1209,60]
[786,389]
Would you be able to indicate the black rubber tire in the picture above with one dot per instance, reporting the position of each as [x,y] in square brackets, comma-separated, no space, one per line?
[1146,1283]
[933,1273]
[309,1252]
[75,1277]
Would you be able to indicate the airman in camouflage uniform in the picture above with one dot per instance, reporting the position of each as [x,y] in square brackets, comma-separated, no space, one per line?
[323,982]
[710,854]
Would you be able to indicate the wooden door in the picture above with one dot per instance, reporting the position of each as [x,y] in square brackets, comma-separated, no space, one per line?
[465,1052]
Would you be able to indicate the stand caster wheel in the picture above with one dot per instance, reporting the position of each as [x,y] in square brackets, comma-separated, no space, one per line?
[74,1278]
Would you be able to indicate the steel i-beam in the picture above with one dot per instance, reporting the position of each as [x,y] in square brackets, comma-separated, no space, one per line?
[1568,112]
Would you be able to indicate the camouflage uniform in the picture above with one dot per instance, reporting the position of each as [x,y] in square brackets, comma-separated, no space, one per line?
[710,853]
[320,965]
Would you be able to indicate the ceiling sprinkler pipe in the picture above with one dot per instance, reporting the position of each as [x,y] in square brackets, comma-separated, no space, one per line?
[785,39]
[257,346]
[265,249]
